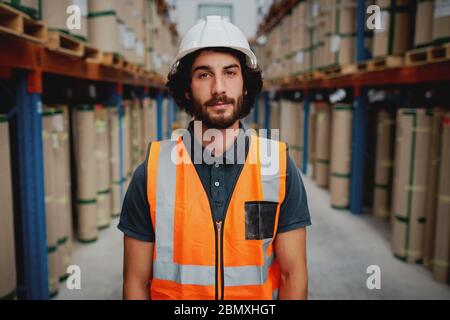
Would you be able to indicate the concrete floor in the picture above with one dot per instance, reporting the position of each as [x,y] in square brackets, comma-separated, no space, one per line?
[340,248]
[101,267]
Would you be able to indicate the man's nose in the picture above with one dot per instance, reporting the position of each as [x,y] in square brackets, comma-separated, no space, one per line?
[218,86]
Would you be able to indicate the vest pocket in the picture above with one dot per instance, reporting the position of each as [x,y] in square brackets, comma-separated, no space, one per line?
[260,219]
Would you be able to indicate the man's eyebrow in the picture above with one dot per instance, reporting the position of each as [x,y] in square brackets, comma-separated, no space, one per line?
[208,68]
[202,68]
[231,66]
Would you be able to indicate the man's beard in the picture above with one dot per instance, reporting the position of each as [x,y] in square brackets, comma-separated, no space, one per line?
[222,121]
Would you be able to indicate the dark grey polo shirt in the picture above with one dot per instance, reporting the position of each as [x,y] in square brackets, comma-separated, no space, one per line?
[218,179]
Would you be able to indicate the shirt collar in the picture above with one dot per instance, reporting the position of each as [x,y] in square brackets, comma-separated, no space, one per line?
[230,156]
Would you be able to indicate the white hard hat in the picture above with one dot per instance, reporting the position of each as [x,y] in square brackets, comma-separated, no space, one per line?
[214,32]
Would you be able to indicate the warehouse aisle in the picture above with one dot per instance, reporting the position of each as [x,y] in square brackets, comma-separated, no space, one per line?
[341,247]
[101,267]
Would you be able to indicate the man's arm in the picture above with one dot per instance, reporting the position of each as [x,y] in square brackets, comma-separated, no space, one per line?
[137,269]
[290,249]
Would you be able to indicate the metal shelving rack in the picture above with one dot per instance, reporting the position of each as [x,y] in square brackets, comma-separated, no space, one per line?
[360,83]
[26,62]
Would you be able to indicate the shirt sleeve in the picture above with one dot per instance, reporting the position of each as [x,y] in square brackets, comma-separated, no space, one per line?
[135,219]
[294,211]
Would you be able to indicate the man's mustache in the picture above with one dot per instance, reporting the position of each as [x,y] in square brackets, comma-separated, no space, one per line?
[223,99]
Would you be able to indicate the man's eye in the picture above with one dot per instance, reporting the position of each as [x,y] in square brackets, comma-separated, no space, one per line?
[203,75]
[230,73]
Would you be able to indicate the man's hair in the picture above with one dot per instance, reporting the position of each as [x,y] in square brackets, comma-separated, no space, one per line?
[179,80]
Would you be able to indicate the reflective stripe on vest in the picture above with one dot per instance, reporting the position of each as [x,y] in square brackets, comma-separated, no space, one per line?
[164,268]
[163,176]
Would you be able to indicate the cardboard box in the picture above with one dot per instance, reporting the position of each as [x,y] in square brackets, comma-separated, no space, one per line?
[312,138]
[126,136]
[347,16]
[410,183]
[341,153]
[102,25]
[441,21]
[52,215]
[433,183]
[384,161]
[135,131]
[61,172]
[102,155]
[423,35]
[67,160]
[54,13]
[8,276]
[86,166]
[274,114]
[116,179]
[290,128]
[399,40]
[323,144]
[441,263]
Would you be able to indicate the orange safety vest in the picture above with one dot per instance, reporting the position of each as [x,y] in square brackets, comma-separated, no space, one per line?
[196,258]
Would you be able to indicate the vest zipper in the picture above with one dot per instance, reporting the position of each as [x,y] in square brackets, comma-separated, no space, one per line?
[221,270]
[220,260]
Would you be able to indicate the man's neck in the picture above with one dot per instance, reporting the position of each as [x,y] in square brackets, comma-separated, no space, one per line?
[225,137]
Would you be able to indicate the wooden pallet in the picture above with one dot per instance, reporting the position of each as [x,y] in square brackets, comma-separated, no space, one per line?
[341,70]
[16,23]
[140,71]
[384,63]
[108,58]
[128,66]
[149,74]
[92,54]
[332,71]
[112,59]
[362,66]
[311,75]
[61,42]
[427,55]
[134,68]
[285,80]
[118,61]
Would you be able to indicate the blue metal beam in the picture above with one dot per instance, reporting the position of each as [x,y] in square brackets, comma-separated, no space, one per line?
[361,52]
[358,153]
[34,283]
[306,107]
[359,121]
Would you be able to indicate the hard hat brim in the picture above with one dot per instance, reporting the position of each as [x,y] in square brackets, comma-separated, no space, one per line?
[250,56]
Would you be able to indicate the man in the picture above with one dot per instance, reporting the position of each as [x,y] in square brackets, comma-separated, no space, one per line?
[220,226]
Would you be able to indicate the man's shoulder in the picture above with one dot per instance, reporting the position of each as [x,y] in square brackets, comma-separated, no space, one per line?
[139,173]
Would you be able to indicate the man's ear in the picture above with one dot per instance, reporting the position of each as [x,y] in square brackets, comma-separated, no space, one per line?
[187,95]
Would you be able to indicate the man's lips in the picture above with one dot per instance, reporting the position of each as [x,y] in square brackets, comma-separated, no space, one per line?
[219,101]
[220,106]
